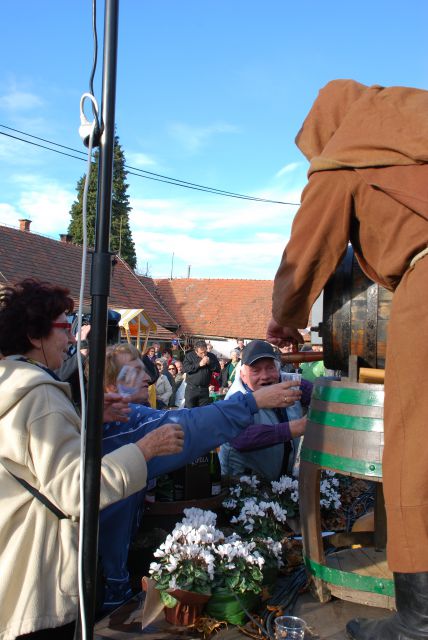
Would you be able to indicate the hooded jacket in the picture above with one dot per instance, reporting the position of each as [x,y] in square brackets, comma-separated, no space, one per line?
[40,442]
[368,183]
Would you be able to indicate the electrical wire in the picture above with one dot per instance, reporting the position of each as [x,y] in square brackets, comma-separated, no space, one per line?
[143,173]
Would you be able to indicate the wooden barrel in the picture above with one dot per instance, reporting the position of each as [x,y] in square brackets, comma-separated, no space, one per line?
[344,433]
[345,428]
[356,312]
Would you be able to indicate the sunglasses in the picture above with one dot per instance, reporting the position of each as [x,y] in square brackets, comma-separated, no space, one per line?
[62,325]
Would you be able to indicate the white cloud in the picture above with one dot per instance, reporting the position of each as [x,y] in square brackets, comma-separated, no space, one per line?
[140,160]
[47,205]
[47,208]
[17,100]
[222,238]
[288,168]
[192,138]
[209,257]
[9,214]
[17,153]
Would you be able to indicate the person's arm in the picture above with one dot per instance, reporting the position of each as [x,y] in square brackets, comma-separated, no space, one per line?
[167,392]
[319,238]
[54,454]
[214,364]
[206,428]
[258,436]
[191,363]
[306,388]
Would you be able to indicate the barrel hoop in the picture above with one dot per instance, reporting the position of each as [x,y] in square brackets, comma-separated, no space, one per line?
[340,463]
[343,421]
[348,396]
[370,338]
[349,580]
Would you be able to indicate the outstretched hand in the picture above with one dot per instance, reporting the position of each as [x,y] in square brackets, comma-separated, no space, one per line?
[116,408]
[282,336]
[277,396]
[163,441]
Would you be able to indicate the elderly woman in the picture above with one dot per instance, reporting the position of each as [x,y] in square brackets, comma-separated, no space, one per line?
[40,463]
[163,387]
[205,428]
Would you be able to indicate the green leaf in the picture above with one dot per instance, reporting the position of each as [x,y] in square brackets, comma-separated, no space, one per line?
[168,600]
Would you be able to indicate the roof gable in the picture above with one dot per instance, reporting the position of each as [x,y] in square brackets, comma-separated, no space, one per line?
[26,254]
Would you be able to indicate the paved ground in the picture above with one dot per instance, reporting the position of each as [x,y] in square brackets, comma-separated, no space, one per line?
[325,622]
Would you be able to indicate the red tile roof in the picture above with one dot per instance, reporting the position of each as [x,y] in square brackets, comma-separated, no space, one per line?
[206,307]
[211,307]
[26,254]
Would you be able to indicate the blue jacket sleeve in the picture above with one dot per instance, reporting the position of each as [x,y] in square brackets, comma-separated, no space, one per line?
[205,428]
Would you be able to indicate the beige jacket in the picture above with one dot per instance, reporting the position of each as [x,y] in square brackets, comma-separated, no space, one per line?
[40,442]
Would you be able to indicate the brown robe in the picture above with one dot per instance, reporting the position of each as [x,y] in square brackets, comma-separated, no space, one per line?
[368,184]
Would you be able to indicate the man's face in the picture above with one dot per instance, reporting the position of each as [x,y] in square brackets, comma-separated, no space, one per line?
[261,373]
[142,394]
[201,352]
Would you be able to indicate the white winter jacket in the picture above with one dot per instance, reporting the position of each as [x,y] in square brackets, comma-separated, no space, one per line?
[40,442]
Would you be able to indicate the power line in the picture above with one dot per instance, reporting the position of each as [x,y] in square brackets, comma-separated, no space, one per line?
[142,173]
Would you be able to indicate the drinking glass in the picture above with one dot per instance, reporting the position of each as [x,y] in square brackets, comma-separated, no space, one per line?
[297,377]
[127,381]
[289,627]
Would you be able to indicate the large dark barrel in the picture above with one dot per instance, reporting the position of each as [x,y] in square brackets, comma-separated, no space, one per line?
[355,317]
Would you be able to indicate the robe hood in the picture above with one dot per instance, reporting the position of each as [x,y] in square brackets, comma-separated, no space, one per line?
[351,125]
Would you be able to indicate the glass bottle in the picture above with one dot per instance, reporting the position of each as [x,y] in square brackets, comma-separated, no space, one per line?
[215,473]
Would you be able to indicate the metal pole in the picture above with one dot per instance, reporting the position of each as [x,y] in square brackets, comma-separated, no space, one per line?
[100,288]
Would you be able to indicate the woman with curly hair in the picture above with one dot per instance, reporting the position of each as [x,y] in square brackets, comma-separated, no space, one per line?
[40,464]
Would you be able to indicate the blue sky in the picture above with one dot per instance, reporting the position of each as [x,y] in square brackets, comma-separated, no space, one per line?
[209,91]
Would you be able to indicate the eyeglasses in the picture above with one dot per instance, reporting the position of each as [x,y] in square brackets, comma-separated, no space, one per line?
[62,325]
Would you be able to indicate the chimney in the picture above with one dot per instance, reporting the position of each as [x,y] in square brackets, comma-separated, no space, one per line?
[66,237]
[24,224]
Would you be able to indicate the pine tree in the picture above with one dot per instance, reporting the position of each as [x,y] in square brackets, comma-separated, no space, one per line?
[121,241]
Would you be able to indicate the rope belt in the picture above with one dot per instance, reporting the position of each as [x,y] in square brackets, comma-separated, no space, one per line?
[417,257]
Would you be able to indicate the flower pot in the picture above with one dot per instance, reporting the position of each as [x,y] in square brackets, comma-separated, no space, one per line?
[224,605]
[189,607]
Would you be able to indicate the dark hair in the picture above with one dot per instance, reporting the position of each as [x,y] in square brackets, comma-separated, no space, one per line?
[27,310]
[199,344]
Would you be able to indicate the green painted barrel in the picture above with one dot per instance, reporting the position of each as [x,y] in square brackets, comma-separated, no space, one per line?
[344,433]
[345,428]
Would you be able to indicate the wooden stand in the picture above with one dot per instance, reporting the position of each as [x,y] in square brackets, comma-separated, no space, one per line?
[345,434]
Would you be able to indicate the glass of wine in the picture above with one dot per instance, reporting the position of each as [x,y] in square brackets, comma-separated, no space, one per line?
[128,380]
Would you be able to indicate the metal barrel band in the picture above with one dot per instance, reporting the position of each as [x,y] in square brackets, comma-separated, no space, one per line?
[344,421]
[340,463]
[356,581]
[349,396]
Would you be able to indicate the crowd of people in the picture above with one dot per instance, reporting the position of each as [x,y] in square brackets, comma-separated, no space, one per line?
[40,456]
[367,185]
